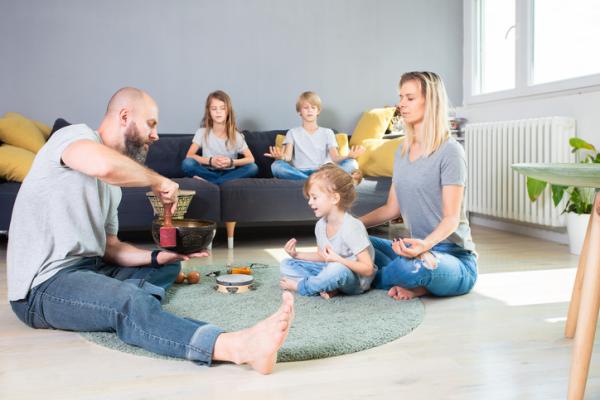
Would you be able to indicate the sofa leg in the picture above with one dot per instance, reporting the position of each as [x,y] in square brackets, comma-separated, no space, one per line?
[230,226]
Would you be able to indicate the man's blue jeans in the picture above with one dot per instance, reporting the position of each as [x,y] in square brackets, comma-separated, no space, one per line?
[191,167]
[284,170]
[455,273]
[94,296]
[315,277]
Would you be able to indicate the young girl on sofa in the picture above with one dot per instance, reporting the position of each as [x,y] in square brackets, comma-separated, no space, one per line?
[221,144]
[309,146]
[344,261]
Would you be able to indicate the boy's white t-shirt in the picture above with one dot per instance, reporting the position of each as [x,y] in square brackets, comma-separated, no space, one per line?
[311,150]
[350,239]
[212,145]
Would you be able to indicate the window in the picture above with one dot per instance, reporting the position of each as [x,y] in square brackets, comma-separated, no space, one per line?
[519,48]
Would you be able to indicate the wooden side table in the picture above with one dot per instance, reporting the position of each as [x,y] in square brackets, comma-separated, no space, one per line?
[585,299]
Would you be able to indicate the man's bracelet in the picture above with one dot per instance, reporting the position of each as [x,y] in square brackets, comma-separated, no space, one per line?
[154,259]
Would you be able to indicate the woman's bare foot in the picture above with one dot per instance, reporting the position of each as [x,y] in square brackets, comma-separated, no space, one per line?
[399,293]
[288,284]
[329,295]
[257,346]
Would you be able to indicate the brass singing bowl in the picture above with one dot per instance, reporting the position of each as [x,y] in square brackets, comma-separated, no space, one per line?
[193,235]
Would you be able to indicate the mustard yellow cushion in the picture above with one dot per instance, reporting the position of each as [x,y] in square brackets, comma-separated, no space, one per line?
[372,125]
[15,162]
[340,138]
[21,132]
[45,129]
[378,158]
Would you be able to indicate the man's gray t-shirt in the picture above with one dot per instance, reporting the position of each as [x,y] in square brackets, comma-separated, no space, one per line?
[212,145]
[311,150]
[60,216]
[350,239]
[419,184]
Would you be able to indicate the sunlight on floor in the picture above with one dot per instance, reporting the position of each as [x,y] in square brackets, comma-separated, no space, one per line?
[528,287]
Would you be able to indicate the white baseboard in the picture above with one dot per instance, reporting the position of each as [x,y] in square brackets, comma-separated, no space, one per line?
[557,235]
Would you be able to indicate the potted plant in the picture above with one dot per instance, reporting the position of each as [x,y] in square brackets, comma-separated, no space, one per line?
[578,206]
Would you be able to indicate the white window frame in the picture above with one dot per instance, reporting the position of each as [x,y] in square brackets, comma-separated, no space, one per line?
[524,86]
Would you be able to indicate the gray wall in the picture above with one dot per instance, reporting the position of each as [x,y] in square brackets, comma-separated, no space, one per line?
[65,58]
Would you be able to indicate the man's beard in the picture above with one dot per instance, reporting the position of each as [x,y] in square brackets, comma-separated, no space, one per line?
[135,144]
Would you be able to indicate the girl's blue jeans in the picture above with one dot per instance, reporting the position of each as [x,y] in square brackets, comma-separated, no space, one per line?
[454,274]
[284,170]
[95,296]
[191,167]
[315,277]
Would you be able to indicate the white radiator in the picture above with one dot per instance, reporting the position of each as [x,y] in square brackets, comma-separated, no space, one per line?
[493,188]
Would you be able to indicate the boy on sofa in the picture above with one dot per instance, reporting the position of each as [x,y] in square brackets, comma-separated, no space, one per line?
[309,146]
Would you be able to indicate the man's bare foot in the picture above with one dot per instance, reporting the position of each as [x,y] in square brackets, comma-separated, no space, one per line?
[257,346]
[288,284]
[399,293]
[357,177]
[329,295]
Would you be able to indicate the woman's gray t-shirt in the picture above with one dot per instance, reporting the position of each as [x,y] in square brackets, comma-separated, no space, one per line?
[419,184]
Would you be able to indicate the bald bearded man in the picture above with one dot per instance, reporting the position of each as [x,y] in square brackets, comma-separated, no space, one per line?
[68,270]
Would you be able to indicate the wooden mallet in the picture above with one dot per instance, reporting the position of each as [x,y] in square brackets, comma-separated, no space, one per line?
[168,233]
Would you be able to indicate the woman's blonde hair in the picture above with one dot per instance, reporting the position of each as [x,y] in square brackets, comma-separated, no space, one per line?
[311,98]
[333,179]
[435,119]
[230,125]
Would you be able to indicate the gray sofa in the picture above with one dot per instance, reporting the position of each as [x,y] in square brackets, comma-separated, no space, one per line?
[253,201]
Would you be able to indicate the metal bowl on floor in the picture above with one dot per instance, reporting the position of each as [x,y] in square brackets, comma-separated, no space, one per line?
[193,235]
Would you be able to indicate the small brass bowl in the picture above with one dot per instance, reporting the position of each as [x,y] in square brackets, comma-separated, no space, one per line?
[193,235]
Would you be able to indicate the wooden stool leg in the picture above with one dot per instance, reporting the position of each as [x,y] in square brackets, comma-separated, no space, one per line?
[576,295]
[230,226]
[588,310]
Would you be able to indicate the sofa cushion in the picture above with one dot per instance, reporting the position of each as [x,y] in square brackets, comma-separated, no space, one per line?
[165,155]
[372,124]
[43,128]
[259,143]
[19,131]
[378,158]
[15,162]
[59,123]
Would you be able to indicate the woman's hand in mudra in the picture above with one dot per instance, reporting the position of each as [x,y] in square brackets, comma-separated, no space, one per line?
[409,247]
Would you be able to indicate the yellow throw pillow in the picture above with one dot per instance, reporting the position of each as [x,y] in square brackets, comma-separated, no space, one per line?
[372,125]
[45,129]
[15,162]
[340,138]
[21,132]
[378,158]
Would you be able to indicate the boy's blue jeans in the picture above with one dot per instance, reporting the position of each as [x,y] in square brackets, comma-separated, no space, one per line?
[191,167]
[455,273]
[94,296]
[315,277]
[284,170]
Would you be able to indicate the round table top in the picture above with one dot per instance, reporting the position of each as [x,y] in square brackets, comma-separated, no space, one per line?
[581,175]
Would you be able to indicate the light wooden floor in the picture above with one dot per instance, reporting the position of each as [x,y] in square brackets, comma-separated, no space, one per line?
[502,341]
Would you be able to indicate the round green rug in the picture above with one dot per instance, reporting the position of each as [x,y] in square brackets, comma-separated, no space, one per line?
[322,328]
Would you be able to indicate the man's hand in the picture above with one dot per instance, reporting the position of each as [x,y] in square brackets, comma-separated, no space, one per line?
[166,190]
[275,152]
[356,151]
[290,248]
[168,257]
[409,247]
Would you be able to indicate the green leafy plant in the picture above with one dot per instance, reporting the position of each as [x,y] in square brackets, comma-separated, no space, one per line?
[579,199]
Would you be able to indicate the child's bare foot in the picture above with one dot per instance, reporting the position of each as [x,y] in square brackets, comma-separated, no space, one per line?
[257,346]
[288,284]
[399,293]
[329,295]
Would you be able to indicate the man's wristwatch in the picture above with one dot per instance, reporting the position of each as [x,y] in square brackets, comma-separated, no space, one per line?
[154,259]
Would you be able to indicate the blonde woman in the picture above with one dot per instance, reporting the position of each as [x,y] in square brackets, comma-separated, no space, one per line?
[428,186]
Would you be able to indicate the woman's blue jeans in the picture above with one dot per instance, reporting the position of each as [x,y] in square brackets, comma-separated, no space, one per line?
[454,274]
[94,296]
[191,167]
[284,170]
[315,277]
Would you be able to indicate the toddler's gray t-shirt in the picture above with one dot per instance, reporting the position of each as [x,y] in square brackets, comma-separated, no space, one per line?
[311,150]
[419,184]
[350,239]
